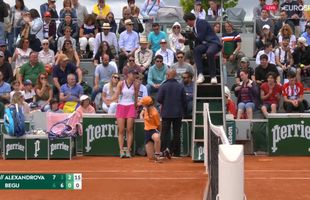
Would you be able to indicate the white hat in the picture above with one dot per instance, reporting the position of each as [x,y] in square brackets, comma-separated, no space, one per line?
[227,91]
[266,26]
[303,40]
[83,97]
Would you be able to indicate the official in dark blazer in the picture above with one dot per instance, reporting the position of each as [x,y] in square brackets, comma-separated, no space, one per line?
[207,43]
[172,97]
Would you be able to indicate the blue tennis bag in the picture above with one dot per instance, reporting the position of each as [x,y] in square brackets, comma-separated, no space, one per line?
[14,121]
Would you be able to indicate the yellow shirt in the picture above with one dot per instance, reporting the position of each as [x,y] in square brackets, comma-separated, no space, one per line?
[101,11]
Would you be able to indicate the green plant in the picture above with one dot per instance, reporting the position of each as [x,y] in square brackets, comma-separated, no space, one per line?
[188,5]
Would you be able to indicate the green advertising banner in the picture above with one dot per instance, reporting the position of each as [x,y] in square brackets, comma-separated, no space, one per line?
[100,136]
[289,136]
[14,148]
[61,148]
[37,148]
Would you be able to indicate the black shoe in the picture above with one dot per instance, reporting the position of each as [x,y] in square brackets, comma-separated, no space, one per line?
[167,154]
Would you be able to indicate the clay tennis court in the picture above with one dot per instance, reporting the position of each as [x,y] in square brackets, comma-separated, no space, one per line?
[266,178]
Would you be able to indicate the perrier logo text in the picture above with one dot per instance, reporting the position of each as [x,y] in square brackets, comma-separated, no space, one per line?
[280,133]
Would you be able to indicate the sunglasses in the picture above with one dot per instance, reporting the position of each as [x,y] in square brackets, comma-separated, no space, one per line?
[180,57]
[176,27]
[159,61]
[130,60]
[184,77]
[68,43]
[45,44]
[116,77]
[43,78]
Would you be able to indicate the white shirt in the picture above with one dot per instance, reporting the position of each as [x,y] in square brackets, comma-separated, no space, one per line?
[142,92]
[110,39]
[168,56]
[23,57]
[201,15]
[127,96]
[128,40]
[47,57]
[106,90]
[282,55]
[271,57]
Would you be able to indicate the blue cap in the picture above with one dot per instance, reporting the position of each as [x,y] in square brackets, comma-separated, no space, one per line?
[27,82]
[197,2]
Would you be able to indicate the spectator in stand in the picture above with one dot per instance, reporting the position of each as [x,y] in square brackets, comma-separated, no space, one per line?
[301,57]
[306,34]
[62,70]
[111,20]
[70,92]
[7,53]
[68,9]
[101,9]
[131,65]
[34,23]
[21,55]
[231,107]
[107,36]
[29,93]
[16,16]
[231,46]
[5,69]
[31,70]
[44,92]
[244,65]
[293,95]
[293,13]
[70,52]
[215,11]
[49,30]
[143,55]
[172,97]
[88,32]
[270,93]
[156,75]
[262,21]
[127,93]
[247,96]
[149,11]
[128,43]
[286,31]
[85,106]
[198,10]
[181,66]
[68,22]
[103,74]
[4,12]
[155,37]
[18,98]
[283,20]
[104,49]
[217,27]
[16,88]
[187,81]
[266,36]
[174,37]
[258,9]
[127,15]
[142,91]
[50,6]
[5,89]
[268,50]
[284,58]
[81,12]
[47,56]
[67,36]
[54,106]
[262,70]
[108,91]
[166,53]
[135,10]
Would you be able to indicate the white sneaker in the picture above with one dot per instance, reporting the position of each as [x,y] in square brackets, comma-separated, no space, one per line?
[200,79]
[214,80]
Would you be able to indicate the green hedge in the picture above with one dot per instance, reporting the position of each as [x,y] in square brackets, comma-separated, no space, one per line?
[188,5]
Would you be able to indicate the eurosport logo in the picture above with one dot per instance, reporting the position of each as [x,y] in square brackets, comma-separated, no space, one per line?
[291,8]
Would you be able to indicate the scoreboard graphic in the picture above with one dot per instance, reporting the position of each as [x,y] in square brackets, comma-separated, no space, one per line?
[41,181]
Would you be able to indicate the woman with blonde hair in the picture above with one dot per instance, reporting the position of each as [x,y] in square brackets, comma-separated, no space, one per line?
[108,91]
[18,98]
[286,31]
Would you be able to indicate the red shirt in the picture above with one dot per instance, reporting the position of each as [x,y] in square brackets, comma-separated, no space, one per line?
[272,99]
[231,108]
[293,92]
